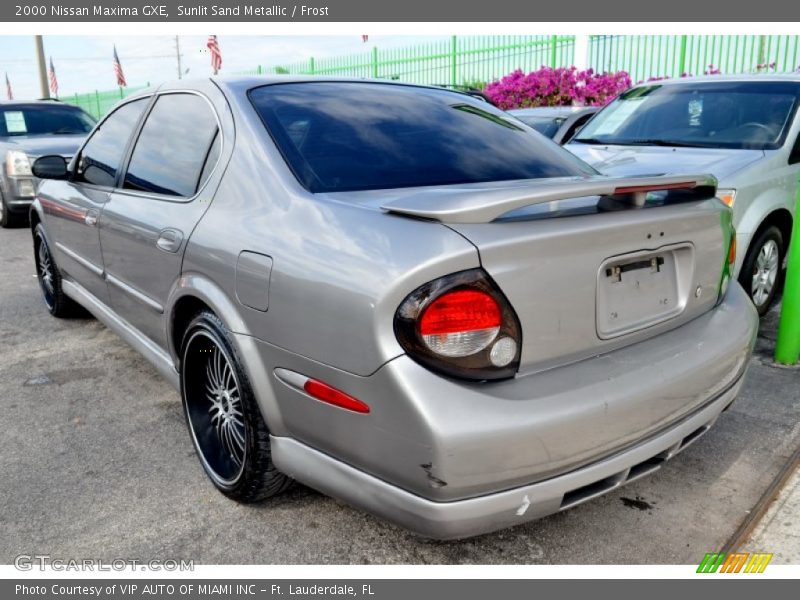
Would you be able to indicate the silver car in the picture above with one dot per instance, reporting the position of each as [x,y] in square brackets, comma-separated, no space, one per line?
[559,123]
[398,295]
[745,130]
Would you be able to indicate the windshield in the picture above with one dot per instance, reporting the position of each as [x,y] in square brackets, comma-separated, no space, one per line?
[47,119]
[754,115]
[344,136]
[547,126]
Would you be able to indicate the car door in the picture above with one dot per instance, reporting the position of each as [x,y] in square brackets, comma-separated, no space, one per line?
[150,216]
[73,207]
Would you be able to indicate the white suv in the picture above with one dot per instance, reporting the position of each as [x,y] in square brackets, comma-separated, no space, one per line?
[742,129]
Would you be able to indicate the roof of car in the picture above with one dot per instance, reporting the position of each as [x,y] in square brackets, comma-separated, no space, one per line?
[43,101]
[754,77]
[551,111]
[247,82]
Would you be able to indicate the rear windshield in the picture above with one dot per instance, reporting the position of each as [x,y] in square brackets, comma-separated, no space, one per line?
[43,120]
[736,115]
[344,136]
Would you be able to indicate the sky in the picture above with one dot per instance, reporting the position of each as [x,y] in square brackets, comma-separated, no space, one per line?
[84,63]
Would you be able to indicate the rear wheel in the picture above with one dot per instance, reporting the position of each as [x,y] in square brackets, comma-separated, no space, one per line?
[761,269]
[57,303]
[227,429]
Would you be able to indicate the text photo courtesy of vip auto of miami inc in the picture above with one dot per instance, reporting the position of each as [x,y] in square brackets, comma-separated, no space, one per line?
[397,299]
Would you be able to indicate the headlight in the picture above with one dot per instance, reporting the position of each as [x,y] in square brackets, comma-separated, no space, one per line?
[18,164]
[728,197]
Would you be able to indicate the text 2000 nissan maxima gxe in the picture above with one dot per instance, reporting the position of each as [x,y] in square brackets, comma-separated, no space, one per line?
[398,295]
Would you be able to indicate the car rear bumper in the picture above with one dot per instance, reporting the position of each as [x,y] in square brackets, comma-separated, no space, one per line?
[483,514]
[451,459]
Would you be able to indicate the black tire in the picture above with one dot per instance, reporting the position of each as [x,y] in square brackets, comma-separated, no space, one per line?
[225,423]
[58,304]
[752,276]
[8,219]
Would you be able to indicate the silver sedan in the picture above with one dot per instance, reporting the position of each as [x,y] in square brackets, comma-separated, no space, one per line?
[397,295]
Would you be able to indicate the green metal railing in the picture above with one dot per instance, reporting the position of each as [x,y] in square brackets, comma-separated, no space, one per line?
[476,60]
[455,61]
[672,55]
[99,103]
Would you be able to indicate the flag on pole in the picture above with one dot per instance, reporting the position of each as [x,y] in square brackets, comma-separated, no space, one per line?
[9,93]
[118,70]
[364,38]
[53,79]
[216,55]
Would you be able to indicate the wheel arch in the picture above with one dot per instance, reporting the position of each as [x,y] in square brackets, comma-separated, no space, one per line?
[193,293]
[780,218]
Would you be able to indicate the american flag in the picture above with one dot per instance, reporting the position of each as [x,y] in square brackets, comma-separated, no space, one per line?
[9,93]
[53,79]
[118,70]
[216,55]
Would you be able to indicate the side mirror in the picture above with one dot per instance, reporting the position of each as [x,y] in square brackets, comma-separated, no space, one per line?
[50,167]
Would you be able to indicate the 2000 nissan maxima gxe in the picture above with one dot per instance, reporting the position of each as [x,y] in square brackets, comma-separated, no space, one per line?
[398,295]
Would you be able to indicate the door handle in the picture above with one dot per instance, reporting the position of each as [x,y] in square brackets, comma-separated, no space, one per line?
[90,218]
[169,240]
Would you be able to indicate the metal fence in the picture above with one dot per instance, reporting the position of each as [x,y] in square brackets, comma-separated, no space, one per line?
[456,61]
[475,60]
[645,56]
[98,103]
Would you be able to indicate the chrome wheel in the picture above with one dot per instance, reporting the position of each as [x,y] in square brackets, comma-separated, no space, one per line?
[45,271]
[212,395]
[765,272]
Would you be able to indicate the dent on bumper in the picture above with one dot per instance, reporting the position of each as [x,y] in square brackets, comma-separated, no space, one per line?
[483,514]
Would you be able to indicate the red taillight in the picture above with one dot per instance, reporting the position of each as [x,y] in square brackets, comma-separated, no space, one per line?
[462,310]
[325,393]
[461,325]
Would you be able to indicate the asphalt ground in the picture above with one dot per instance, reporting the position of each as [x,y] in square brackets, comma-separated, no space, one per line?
[96,462]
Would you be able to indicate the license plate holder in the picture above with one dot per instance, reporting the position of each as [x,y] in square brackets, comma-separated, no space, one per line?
[642,289]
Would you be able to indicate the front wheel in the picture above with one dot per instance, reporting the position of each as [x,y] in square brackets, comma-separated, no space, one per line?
[7,218]
[228,432]
[761,269]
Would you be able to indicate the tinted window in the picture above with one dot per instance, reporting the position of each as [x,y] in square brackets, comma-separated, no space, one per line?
[579,122]
[43,119]
[794,157]
[171,152]
[339,136]
[547,126]
[100,158]
[705,114]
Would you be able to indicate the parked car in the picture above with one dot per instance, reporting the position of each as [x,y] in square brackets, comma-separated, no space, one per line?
[29,130]
[745,130]
[559,123]
[397,295]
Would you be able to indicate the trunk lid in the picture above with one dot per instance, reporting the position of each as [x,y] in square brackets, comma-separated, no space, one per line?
[586,284]
[588,266]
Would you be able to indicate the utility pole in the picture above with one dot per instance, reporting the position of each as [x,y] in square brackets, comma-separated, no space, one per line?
[44,88]
[178,56]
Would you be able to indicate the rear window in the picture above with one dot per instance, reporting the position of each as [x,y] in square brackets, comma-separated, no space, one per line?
[547,126]
[49,119]
[343,136]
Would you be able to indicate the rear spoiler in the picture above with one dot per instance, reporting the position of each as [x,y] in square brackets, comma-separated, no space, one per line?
[483,205]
